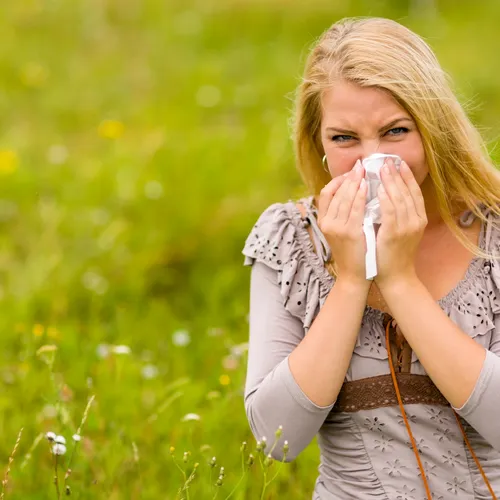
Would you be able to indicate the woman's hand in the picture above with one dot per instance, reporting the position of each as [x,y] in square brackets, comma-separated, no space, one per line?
[402,226]
[341,209]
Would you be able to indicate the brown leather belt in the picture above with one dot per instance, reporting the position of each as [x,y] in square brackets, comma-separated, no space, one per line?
[378,392]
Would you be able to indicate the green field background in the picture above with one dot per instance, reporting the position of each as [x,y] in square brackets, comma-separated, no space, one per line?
[139,142]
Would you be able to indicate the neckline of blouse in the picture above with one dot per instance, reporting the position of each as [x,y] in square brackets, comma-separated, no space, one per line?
[318,261]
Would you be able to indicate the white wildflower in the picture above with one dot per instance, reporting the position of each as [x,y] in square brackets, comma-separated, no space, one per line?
[120,349]
[58,449]
[230,363]
[51,436]
[239,349]
[57,154]
[102,350]
[149,371]
[77,437]
[94,282]
[60,440]
[191,417]
[181,338]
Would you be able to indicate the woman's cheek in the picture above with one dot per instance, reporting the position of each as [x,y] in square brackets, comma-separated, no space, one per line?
[344,163]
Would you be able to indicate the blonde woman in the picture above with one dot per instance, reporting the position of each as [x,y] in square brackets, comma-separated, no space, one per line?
[398,376]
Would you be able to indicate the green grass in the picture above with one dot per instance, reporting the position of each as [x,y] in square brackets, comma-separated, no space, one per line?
[130,238]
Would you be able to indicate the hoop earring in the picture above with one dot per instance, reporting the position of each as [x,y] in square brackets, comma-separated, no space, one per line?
[325,164]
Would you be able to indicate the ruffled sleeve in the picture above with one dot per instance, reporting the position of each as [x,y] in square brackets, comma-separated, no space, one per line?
[280,241]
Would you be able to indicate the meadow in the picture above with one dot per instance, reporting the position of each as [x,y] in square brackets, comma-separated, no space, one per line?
[140,140]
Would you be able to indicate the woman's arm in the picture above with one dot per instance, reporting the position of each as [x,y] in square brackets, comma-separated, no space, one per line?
[294,380]
[466,373]
[482,408]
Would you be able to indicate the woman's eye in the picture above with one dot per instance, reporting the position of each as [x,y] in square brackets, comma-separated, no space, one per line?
[397,131]
[341,138]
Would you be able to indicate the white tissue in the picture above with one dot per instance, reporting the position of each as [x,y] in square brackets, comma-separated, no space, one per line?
[372,165]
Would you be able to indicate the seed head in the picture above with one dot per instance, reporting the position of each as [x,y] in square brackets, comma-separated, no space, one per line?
[51,436]
[172,449]
[60,440]
[58,449]
[213,462]
[285,447]
[243,446]
[250,460]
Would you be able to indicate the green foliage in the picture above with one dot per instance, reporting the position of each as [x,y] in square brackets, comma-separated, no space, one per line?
[140,140]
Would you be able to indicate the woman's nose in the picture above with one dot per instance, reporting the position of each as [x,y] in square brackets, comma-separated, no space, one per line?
[369,148]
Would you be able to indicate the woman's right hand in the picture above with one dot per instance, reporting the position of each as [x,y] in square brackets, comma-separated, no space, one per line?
[341,208]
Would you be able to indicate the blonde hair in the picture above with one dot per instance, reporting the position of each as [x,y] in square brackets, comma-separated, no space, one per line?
[377,52]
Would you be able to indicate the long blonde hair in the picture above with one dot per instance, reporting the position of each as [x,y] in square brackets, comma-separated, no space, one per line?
[378,52]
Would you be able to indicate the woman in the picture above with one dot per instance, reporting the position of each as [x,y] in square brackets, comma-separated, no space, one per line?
[399,375]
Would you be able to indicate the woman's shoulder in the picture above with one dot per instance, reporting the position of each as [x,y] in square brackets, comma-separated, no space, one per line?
[280,240]
[279,229]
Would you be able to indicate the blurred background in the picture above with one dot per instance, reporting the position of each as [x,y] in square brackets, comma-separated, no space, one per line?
[140,141]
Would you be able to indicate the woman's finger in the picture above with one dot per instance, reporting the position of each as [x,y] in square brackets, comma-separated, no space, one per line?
[342,203]
[414,188]
[397,192]
[358,206]
[328,192]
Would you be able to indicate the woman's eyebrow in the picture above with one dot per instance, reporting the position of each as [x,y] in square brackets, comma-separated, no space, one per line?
[385,127]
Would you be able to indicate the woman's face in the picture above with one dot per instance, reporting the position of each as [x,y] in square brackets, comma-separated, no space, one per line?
[359,121]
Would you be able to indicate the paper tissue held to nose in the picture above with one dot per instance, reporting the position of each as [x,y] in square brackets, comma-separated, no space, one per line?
[372,165]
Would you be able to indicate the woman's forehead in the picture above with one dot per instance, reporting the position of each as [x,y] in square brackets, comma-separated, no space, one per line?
[345,105]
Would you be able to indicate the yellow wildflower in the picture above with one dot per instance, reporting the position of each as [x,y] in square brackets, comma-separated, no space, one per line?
[8,161]
[111,129]
[38,330]
[224,379]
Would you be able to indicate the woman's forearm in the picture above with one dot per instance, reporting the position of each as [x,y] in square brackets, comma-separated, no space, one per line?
[451,358]
[319,363]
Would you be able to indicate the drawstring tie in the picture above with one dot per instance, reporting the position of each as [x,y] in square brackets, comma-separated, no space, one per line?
[412,439]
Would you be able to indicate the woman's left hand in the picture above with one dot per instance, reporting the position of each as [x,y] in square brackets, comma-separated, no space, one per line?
[402,226]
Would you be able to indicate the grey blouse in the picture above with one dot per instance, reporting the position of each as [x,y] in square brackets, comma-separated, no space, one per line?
[366,454]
